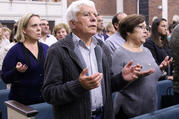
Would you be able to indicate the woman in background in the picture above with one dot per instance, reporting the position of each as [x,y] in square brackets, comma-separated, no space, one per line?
[6,32]
[23,64]
[60,31]
[3,43]
[139,96]
[158,44]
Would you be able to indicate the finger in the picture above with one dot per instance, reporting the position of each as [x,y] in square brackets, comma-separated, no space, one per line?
[129,64]
[83,73]
[146,73]
[171,59]
[135,77]
[97,82]
[19,64]
[166,58]
[138,68]
[96,78]
[93,76]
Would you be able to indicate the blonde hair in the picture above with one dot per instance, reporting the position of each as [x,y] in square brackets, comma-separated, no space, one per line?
[1,36]
[23,22]
[60,26]
[4,29]
[1,25]
[108,26]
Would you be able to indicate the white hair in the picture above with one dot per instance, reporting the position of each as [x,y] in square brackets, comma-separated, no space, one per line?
[74,8]
[175,18]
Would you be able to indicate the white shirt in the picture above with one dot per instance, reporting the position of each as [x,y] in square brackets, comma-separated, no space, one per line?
[49,40]
[3,44]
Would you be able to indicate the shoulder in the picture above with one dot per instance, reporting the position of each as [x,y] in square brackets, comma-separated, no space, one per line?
[147,51]
[175,36]
[114,36]
[59,46]
[52,38]
[44,45]
[119,52]
[149,42]
[16,46]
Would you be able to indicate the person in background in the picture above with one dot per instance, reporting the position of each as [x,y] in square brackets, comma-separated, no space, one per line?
[12,39]
[109,29]
[148,31]
[174,45]
[170,28]
[6,32]
[158,44]
[140,95]
[3,43]
[60,31]
[46,37]
[77,69]
[100,27]
[23,64]
[114,41]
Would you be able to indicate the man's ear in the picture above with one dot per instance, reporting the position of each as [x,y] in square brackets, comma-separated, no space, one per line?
[116,25]
[128,33]
[72,23]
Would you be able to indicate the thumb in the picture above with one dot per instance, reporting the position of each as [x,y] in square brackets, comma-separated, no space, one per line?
[166,58]
[129,64]
[18,63]
[84,71]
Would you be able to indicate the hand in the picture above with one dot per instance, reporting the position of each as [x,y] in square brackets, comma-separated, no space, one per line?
[131,73]
[170,78]
[165,63]
[90,82]
[20,67]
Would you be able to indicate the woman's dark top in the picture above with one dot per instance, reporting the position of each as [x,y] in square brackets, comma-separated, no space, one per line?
[25,87]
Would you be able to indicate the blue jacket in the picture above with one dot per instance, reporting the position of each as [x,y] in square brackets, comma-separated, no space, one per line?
[25,87]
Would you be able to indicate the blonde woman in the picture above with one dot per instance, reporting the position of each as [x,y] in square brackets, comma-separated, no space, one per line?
[3,42]
[6,32]
[23,64]
[60,31]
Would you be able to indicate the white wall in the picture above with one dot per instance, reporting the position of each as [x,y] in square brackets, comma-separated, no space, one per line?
[165,9]
[49,10]
[119,6]
[54,11]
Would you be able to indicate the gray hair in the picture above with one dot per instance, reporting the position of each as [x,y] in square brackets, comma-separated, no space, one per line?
[74,8]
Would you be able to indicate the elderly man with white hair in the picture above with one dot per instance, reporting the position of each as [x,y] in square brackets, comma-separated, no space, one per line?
[78,81]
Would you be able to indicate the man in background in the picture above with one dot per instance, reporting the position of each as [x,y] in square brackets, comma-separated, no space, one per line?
[100,27]
[114,41]
[46,37]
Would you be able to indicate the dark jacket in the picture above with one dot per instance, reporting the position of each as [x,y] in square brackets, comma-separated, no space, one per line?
[159,54]
[174,44]
[62,88]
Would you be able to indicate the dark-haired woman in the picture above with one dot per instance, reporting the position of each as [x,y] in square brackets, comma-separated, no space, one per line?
[158,44]
[139,96]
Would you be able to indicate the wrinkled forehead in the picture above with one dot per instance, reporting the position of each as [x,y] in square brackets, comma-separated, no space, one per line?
[86,8]
[44,22]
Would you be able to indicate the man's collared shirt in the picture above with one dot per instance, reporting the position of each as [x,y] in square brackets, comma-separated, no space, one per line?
[98,36]
[88,54]
[49,40]
[114,41]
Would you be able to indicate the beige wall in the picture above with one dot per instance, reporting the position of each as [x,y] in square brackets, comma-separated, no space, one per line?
[153,9]
[173,8]
[104,7]
[130,6]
